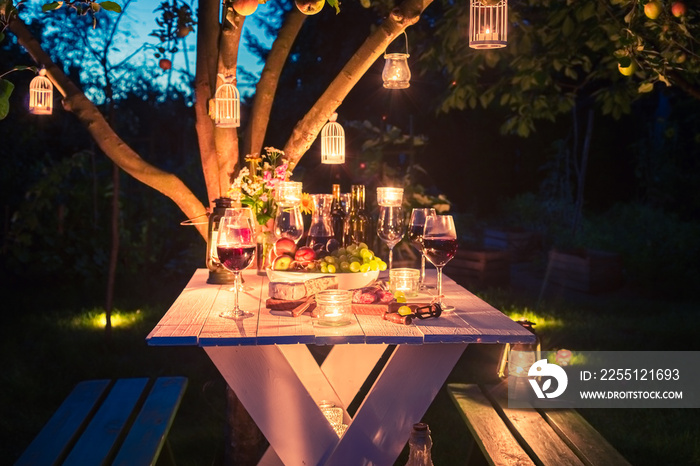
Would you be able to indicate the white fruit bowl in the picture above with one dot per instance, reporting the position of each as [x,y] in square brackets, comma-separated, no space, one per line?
[346,281]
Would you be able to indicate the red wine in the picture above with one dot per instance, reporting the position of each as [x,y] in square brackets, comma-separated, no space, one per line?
[439,251]
[415,235]
[235,258]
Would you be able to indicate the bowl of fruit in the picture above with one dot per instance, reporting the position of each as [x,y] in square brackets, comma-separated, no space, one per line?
[355,266]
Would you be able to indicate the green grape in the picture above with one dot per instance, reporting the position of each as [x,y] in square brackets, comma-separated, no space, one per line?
[345,266]
[330,259]
[343,258]
[373,265]
[363,246]
[354,266]
[324,267]
[351,249]
[331,268]
[364,268]
[382,265]
[341,251]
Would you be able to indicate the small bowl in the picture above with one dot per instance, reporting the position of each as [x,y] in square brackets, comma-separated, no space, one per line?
[346,281]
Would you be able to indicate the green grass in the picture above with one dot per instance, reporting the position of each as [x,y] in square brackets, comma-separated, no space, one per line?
[46,353]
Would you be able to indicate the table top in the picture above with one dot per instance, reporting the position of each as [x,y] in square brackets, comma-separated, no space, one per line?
[193,319]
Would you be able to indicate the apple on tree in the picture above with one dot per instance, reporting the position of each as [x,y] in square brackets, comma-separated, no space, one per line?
[652,9]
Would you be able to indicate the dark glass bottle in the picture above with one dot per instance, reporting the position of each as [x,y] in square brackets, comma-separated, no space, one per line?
[217,273]
[337,215]
[356,226]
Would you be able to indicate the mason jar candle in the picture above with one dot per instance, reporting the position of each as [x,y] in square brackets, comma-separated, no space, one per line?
[334,307]
[404,280]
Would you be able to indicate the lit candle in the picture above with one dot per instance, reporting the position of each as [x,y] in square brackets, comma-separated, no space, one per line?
[404,280]
[487,35]
[289,193]
[333,307]
[389,197]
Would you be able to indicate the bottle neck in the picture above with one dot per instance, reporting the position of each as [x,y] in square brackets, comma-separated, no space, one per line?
[336,193]
[358,198]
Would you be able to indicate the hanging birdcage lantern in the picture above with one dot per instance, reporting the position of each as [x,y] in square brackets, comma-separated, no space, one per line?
[396,74]
[41,95]
[488,24]
[333,142]
[226,105]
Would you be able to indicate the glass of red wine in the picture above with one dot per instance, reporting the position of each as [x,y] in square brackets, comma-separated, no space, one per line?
[415,235]
[440,246]
[235,246]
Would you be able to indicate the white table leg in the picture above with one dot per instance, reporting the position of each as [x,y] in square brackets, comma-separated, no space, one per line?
[399,398]
[276,399]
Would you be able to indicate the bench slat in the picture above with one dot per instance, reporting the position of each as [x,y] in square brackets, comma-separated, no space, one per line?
[148,433]
[546,445]
[65,425]
[582,437]
[487,428]
[101,435]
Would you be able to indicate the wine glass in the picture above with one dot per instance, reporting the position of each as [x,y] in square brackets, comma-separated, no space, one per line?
[236,247]
[289,223]
[439,246]
[415,235]
[390,228]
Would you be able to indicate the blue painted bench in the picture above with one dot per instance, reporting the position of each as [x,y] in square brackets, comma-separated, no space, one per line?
[122,422]
[509,437]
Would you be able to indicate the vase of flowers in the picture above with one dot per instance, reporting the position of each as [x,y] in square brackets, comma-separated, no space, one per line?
[256,187]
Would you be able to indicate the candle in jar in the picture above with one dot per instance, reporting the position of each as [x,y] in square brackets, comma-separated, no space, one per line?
[487,35]
[404,280]
[333,307]
[390,197]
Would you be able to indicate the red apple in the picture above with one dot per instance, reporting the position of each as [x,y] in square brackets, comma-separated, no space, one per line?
[678,9]
[245,7]
[165,64]
[284,246]
[304,255]
[652,9]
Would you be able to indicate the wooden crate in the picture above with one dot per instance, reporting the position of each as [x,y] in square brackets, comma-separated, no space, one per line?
[586,270]
[520,244]
[484,267]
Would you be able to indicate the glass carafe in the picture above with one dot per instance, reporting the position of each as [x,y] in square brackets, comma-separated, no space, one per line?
[321,230]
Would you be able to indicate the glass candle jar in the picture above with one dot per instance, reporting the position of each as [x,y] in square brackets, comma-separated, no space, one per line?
[389,197]
[404,280]
[334,307]
[289,193]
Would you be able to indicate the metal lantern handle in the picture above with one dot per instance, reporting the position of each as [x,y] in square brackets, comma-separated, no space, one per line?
[405,37]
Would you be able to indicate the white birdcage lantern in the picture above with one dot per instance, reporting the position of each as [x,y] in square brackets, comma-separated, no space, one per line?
[333,142]
[488,24]
[396,74]
[226,105]
[41,95]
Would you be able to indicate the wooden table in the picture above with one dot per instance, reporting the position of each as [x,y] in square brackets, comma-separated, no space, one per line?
[266,362]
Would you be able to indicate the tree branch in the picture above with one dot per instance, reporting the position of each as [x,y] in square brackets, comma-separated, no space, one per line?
[677,79]
[226,139]
[306,130]
[117,150]
[204,84]
[269,79]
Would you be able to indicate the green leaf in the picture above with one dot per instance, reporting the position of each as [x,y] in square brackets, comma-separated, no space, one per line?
[111,6]
[336,5]
[51,6]
[6,88]
[645,87]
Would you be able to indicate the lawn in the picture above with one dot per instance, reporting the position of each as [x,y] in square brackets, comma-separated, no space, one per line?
[46,353]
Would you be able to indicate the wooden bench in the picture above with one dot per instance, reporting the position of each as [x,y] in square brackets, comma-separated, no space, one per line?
[124,422]
[508,436]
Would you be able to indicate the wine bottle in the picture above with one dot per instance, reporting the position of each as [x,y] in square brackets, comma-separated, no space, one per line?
[337,215]
[356,226]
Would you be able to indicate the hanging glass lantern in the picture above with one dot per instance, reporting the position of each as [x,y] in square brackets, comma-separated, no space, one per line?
[226,105]
[488,24]
[333,142]
[41,95]
[396,74]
